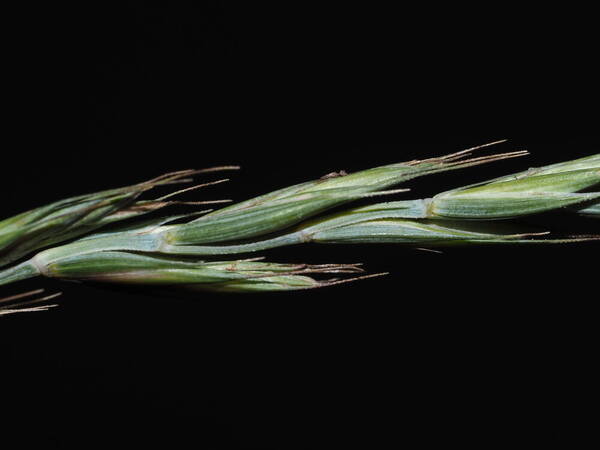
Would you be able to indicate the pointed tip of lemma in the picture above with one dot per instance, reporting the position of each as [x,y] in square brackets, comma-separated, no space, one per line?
[335,282]
[218,169]
[478,147]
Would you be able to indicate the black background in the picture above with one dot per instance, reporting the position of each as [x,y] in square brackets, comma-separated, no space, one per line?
[473,346]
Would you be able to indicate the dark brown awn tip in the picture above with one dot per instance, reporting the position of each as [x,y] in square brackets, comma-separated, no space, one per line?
[5,312]
[333,268]
[22,295]
[326,283]
[170,176]
[178,181]
[335,282]
[497,157]
[468,150]
[430,250]
[454,156]
[179,175]
[34,301]
[355,265]
[463,163]
[205,202]
[311,268]
[7,307]
[192,188]
[217,169]
[583,237]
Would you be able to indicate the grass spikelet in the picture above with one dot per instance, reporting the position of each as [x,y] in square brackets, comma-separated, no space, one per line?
[204,250]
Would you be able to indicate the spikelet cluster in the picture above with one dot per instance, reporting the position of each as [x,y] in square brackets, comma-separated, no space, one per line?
[103,238]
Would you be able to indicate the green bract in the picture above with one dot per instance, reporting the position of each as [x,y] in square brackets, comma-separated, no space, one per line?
[76,216]
[530,192]
[423,232]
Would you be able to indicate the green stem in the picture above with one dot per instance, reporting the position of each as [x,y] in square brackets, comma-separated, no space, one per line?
[19,272]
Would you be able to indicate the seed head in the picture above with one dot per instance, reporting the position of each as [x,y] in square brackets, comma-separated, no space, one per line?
[525,193]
